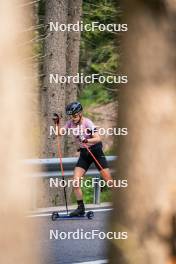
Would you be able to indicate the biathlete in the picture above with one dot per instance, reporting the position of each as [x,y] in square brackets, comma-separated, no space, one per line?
[87,136]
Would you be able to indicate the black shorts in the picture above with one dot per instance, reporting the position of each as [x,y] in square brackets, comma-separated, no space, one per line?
[85,159]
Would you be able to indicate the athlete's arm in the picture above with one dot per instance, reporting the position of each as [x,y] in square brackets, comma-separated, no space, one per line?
[95,138]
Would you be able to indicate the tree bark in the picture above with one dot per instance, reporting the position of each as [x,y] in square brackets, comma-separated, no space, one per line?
[147,156]
[53,95]
[61,51]
[72,63]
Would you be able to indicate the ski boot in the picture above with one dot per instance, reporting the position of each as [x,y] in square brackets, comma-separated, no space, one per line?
[80,211]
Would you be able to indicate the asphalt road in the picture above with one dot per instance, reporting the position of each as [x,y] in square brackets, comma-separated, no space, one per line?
[54,251]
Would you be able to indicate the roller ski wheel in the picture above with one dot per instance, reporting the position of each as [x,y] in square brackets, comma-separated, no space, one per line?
[54,216]
[90,214]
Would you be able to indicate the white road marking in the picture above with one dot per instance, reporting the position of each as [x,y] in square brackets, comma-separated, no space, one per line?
[62,213]
[101,261]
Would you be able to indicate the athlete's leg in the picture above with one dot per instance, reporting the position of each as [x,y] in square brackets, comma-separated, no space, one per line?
[106,175]
[78,174]
[102,165]
[81,167]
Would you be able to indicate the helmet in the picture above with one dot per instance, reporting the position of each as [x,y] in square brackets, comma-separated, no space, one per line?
[73,108]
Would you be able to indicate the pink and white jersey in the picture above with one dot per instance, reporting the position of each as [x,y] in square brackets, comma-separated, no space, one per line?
[86,128]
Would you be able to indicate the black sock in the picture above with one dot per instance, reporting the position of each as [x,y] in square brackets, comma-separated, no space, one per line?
[80,203]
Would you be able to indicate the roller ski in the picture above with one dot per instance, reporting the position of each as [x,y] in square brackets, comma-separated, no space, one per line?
[56,216]
[78,213]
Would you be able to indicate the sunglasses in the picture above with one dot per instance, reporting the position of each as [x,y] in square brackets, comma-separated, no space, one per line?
[74,116]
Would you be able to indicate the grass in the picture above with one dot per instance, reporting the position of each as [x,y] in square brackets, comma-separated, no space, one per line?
[89,194]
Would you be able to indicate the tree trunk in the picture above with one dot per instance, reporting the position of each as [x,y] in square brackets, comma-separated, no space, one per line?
[147,156]
[61,52]
[72,62]
[53,95]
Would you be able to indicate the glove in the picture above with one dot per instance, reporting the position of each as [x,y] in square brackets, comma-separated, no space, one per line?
[56,118]
[83,139]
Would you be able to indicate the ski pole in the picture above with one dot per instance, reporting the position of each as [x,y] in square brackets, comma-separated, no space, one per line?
[62,169]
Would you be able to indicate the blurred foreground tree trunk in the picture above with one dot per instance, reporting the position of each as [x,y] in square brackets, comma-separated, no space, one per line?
[17,96]
[147,156]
